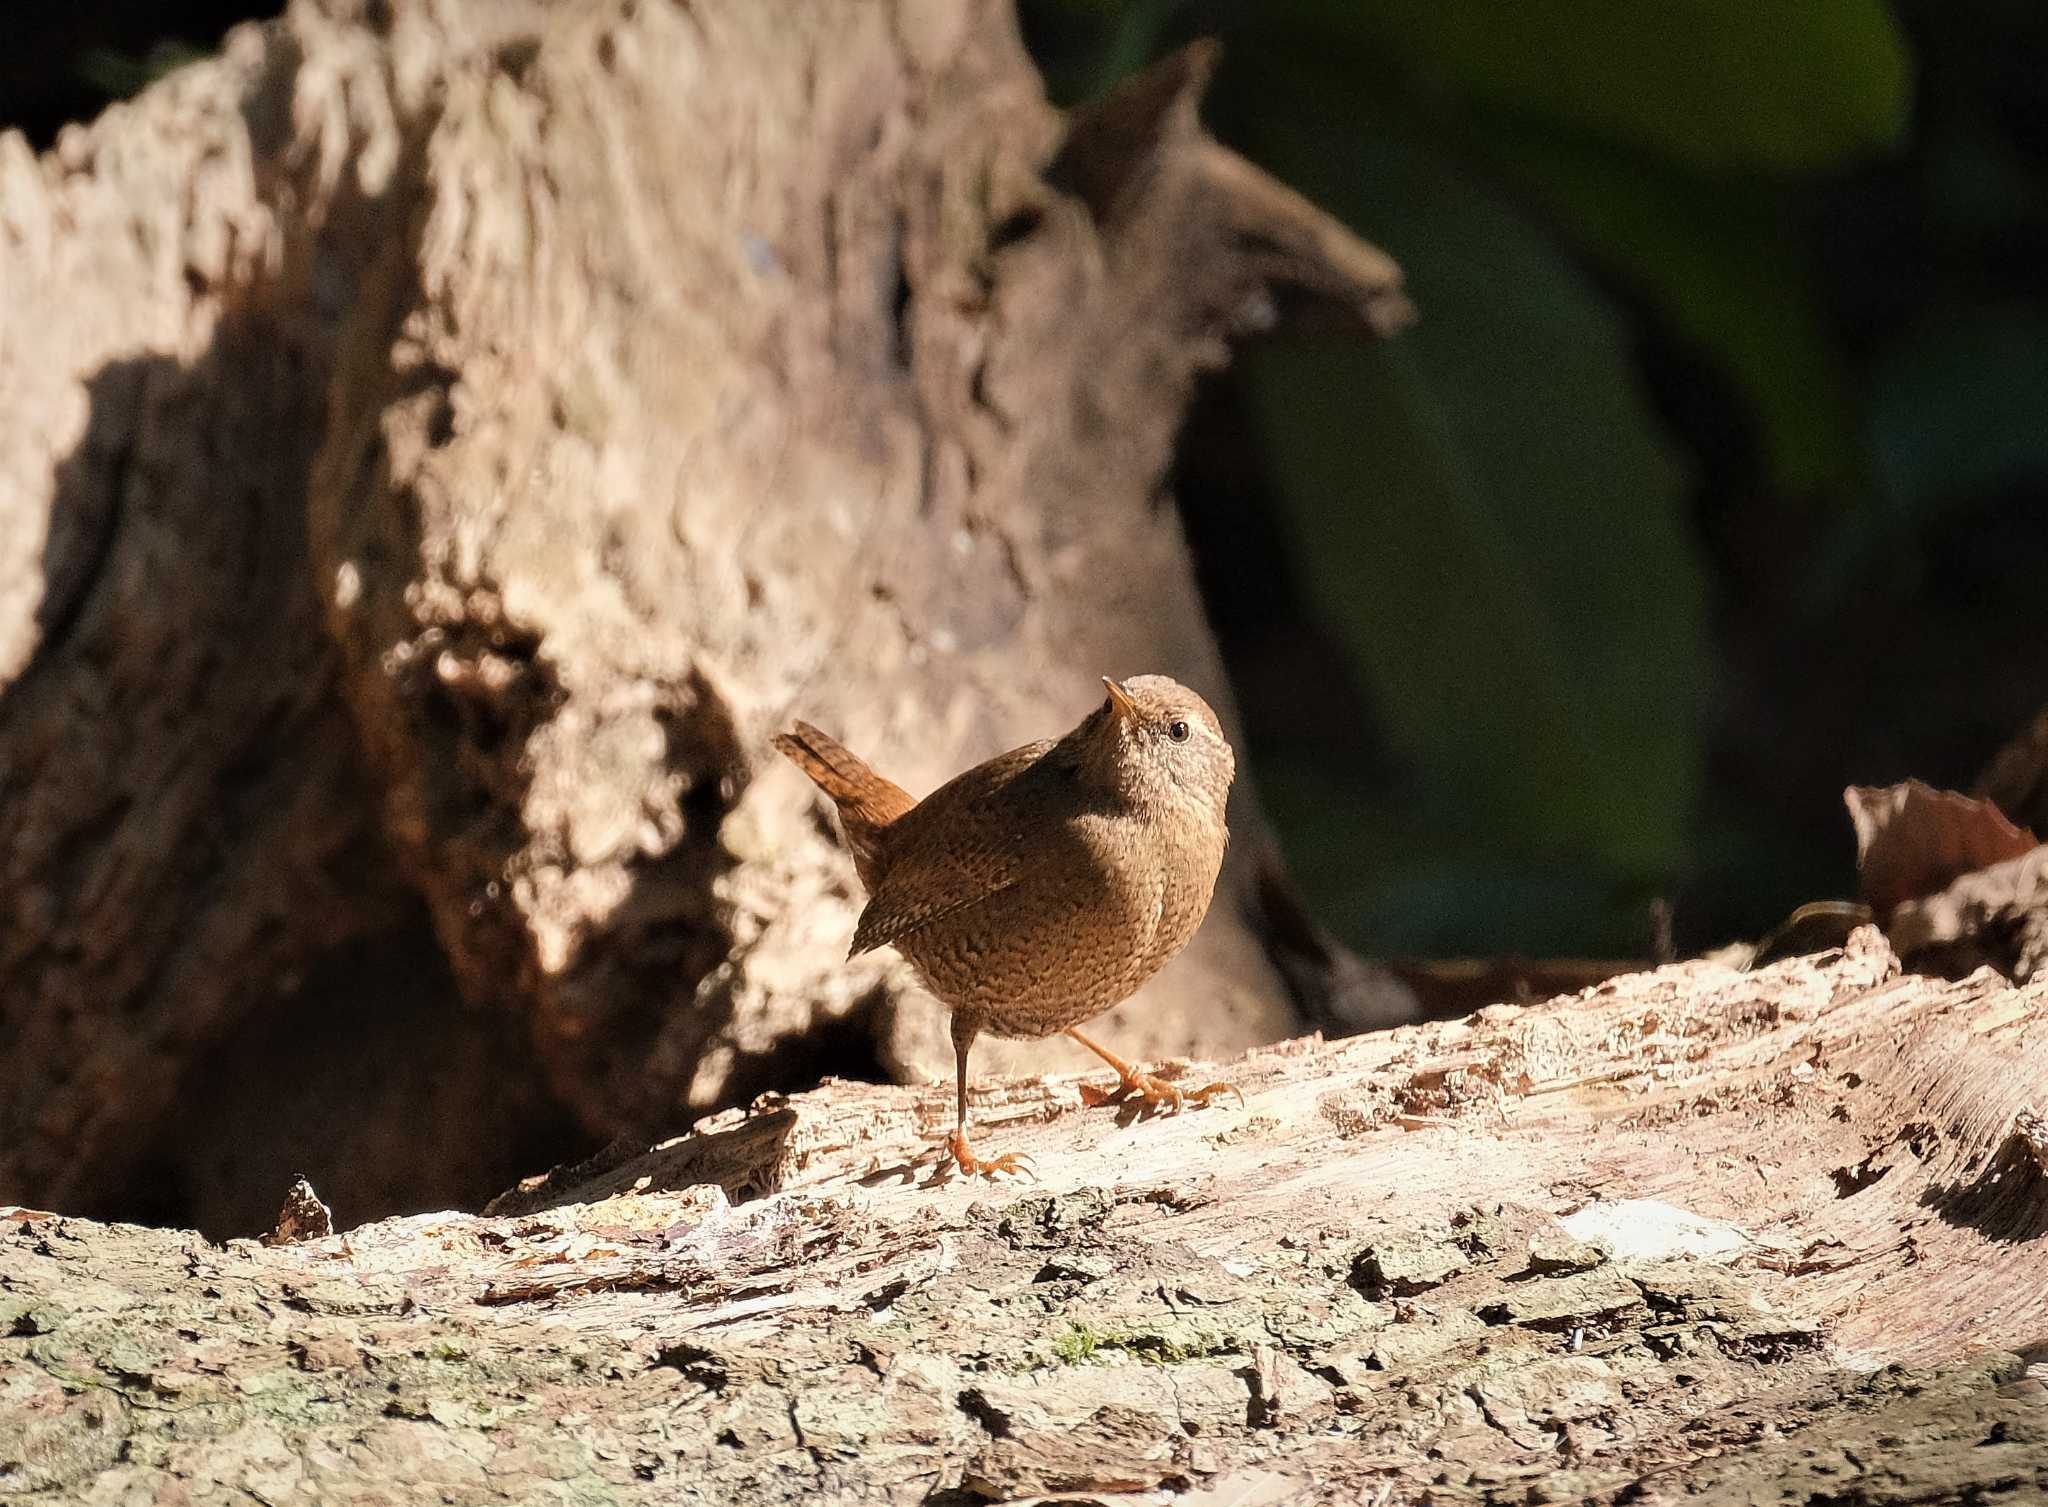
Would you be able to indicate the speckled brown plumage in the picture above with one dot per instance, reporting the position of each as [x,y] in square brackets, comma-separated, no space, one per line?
[1038,889]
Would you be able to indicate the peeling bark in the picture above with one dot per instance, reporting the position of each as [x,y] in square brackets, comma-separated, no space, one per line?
[1695,1235]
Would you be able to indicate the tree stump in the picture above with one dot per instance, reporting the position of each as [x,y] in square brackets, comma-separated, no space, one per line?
[451,437]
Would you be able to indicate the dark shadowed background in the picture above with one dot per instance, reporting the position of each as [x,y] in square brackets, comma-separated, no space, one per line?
[1710,481]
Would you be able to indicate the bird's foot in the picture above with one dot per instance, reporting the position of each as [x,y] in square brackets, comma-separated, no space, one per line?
[1009,1164]
[1156,1092]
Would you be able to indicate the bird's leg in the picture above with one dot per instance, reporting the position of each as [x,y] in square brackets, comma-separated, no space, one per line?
[964,1158]
[1152,1090]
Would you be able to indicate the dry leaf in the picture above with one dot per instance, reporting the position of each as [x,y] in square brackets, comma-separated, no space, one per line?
[303,1216]
[1912,839]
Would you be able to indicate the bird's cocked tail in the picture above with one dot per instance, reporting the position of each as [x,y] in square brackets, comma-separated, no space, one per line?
[867,803]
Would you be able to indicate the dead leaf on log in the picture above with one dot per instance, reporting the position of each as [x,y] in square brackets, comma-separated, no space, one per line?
[301,1217]
[1912,839]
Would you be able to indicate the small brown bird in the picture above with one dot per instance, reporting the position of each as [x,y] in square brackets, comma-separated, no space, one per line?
[1037,890]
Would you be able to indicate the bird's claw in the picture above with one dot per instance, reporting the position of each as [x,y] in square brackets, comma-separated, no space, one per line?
[1009,1164]
[1157,1092]
[1204,1095]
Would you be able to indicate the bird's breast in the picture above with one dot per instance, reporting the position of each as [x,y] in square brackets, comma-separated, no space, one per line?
[1168,868]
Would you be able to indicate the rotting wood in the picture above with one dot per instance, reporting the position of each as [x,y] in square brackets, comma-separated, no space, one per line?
[1693,1235]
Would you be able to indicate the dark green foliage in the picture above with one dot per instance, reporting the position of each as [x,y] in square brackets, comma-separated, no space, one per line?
[1731,348]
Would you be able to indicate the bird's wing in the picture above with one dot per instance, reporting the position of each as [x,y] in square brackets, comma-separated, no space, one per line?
[954,849]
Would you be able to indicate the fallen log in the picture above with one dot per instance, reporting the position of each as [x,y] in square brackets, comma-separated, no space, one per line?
[1697,1234]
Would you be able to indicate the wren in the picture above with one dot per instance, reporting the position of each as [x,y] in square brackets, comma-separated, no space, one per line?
[1037,890]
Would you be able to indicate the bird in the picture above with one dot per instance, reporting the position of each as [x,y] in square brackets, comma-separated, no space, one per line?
[1036,890]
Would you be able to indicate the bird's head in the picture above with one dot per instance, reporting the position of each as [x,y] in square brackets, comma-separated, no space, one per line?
[1154,741]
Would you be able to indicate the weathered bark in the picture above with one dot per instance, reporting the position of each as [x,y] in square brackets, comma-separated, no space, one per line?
[448,437]
[1694,1235]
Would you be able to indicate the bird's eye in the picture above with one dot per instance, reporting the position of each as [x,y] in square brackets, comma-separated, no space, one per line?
[1178,731]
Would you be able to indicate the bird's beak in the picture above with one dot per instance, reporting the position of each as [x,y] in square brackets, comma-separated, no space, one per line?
[1121,700]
